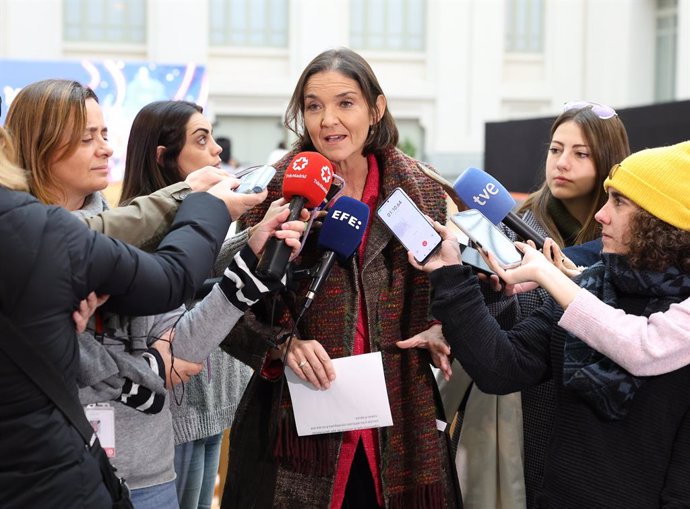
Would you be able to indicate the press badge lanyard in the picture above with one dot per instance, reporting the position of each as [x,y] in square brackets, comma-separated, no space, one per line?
[101,416]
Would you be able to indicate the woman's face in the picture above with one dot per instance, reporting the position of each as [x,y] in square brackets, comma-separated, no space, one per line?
[200,149]
[570,171]
[337,117]
[86,170]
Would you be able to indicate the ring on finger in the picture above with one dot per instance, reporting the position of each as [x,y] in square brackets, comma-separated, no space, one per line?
[301,364]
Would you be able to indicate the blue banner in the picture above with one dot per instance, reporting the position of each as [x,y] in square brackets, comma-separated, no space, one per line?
[122,89]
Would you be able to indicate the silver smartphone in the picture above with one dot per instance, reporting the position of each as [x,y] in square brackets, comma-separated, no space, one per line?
[402,217]
[484,234]
[256,181]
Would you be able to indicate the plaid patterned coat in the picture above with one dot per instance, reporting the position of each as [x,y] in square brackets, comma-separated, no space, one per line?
[270,466]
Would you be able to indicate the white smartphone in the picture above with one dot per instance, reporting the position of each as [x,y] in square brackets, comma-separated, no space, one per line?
[486,235]
[256,180]
[402,217]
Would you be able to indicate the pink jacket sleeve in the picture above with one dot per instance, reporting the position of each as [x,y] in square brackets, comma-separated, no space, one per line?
[644,346]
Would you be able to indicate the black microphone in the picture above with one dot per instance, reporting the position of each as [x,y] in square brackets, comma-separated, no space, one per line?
[341,234]
[306,182]
[479,190]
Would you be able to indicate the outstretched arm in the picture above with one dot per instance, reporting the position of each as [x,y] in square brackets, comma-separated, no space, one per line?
[539,269]
[203,327]
[644,346]
[145,220]
[499,361]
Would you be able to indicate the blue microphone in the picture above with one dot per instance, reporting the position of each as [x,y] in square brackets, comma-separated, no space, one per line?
[340,236]
[479,190]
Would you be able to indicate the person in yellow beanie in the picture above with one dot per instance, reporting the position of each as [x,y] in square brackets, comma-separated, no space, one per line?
[657,180]
[619,440]
[645,346]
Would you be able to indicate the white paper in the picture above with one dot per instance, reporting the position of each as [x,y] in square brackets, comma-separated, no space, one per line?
[357,398]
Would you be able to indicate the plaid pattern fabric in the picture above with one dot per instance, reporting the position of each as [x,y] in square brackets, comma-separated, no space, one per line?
[416,469]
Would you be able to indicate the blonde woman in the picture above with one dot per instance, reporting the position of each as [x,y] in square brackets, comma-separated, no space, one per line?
[62,136]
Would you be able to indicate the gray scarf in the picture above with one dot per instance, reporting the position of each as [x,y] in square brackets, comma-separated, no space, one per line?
[95,203]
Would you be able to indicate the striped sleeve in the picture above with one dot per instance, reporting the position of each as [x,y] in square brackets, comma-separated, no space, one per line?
[241,285]
[142,398]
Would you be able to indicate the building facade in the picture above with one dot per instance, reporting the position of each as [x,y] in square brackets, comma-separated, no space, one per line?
[446,66]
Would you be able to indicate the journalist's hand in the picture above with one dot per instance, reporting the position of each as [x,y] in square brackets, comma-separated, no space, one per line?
[237,203]
[205,178]
[176,370]
[448,254]
[273,224]
[87,307]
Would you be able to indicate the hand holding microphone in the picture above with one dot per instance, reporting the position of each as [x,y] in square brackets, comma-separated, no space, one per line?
[274,224]
[341,235]
[479,190]
[306,182]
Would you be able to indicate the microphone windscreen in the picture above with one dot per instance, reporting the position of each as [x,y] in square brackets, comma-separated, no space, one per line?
[309,175]
[343,227]
[481,191]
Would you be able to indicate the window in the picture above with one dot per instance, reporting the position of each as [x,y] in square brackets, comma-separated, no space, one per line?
[665,50]
[111,21]
[524,26]
[397,25]
[248,23]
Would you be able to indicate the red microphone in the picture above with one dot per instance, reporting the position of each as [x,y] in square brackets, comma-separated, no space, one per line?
[306,182]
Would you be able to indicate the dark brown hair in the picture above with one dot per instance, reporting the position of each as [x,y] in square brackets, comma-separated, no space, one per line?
[608,143]
[160,123]
[656,245]
[383,134]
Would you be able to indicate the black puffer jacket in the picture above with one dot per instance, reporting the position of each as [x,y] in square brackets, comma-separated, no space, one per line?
[49,261]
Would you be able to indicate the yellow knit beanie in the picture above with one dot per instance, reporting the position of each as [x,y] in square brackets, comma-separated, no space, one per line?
[658,180]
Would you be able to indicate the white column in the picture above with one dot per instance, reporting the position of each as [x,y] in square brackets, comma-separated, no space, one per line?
[565,52]
[465,42]
[177,31]
[32,29]
[620,51]
[315,26]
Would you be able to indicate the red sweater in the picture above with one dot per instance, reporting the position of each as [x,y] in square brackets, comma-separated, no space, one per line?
[368,436]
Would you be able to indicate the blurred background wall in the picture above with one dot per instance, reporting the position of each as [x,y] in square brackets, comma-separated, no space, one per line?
[448,67]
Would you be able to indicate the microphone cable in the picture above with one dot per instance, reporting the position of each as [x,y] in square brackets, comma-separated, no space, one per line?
[274,424]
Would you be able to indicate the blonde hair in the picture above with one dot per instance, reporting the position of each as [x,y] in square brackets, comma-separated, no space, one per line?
[11,175]
[46,120]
